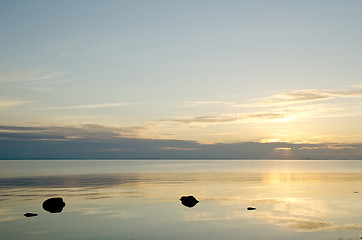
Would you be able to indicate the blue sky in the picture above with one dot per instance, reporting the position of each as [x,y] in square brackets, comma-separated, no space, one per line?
[208,72]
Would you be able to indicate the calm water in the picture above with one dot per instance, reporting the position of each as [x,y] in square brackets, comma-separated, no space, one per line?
[139,199]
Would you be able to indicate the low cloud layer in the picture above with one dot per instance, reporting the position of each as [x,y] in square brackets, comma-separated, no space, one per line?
[97,141]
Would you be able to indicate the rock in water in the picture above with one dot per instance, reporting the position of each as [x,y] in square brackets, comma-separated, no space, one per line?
[189,201]
[54,205]
[30,214]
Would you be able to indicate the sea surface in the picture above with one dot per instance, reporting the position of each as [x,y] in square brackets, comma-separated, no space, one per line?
[140,199]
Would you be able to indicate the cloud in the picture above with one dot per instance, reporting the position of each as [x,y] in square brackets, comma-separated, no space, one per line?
[98,141]
[34,77]
[202,103]
[307,96]
[177,148]
[345,93]
[13,103]
[28,77]
[53,81]
[189,104]
[227,118]
[64,132]
[47,76]
[268,116]
[331,146]
[293,97]
[42,89]
[90,106]
[20,128]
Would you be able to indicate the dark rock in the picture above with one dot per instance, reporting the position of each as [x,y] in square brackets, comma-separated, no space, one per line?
[251,208]
[30,214]
[54,205]
[189,201]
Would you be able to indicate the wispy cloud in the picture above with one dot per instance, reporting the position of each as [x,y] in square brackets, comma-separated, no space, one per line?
[286,98]
[13,103]
[177,148]
[53,81]
[42,89]
[294,97]
[90,106]
[28,77]
[203,103]
[345,93]
[47,76]
[331,146]
[228,118]
[308,96]
[212,103]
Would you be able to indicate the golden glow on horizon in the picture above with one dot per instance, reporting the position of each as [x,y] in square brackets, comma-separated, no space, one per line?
[272,140]
[284,152]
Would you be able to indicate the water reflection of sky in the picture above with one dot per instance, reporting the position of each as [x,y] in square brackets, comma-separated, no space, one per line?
[289,205]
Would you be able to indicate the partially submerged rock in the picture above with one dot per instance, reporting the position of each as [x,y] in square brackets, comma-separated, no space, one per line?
[189,201]
[30,214]
[251,208]
[54,205]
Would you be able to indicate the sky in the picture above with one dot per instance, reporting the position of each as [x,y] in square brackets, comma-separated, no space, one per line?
[181,79]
